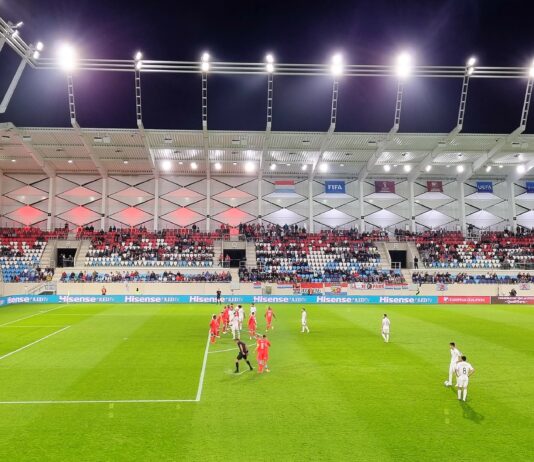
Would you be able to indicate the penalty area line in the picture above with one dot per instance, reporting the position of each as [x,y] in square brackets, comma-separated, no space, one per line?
[33,343]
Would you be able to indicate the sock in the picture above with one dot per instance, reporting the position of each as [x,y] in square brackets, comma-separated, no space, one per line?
[387,338]
[459,393]
[465,393]
[249,365]
[237,366]
[384,337]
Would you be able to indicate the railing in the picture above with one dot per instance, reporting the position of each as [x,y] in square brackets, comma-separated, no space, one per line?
[44,287]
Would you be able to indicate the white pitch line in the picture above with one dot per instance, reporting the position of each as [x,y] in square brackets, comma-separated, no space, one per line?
[97,401]
[33,343]
[31,315]
[26,327]
[203,370]
[222,351]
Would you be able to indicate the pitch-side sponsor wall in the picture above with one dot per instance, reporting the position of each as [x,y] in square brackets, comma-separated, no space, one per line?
[348,299]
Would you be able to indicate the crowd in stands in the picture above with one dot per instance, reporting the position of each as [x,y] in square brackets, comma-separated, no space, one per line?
[31,275]
[139,247]
[145,276]
[467,278]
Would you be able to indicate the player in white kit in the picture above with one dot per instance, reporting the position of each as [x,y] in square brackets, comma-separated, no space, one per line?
[304,320]
[464,370]
[385,328]
[241,316]
[456,355]
[234,325]
[253,310]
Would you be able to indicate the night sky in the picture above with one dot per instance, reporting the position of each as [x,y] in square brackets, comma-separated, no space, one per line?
[497,32]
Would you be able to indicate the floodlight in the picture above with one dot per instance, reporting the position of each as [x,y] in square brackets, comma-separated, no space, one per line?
[471,61]
[205,66]
[387,168]
[125,162]
[407,168]
[218,166]
[501,166]
[70,161]
[323,168]
[67,57]
[531,71]
[428,168]
[166,165]
[304,167]
[194,165]
[269,67]
[460,168]
[404,65]
[39,46]
[139,65]
[521,168]
[205,57]
[18,25]
[337,65]
[273,167]
[269,58]
[138,56]
[488,169]
[36,55]
[13,160]
[249,167]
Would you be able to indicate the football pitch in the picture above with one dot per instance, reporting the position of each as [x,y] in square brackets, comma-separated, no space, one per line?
[105,382]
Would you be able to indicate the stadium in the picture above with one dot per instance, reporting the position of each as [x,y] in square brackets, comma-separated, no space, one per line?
[247,260]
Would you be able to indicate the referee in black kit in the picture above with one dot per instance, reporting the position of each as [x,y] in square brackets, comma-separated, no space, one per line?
[243,353]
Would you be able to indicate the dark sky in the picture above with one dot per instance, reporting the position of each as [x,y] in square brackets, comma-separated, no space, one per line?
[498,32]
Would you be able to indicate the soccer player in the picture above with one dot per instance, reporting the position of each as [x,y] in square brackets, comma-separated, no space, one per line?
[253,309]
[241,316]
[219,323]
[226,319]
[304,320]
[269,315]
[385,328]
[464,370]
[234,324]
[214,327]
[243,354]
[252,326]
[455,357]
[262,353]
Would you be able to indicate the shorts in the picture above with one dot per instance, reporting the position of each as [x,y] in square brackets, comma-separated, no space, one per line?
[462,381]
[385,331]
[241,356]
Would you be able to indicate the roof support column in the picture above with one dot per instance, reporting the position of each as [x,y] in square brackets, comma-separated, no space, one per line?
[461,203]
[208,197]
[156,203]
[411,205]
[310,204]
[260,195]
[361,206]
[51,219]
[104,204]
[510,188]
[12,86]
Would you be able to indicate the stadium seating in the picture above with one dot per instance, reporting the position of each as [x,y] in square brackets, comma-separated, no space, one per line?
[467,278]
[177,248]
[145,276]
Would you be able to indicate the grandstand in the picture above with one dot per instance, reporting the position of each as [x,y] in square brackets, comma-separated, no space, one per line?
[115,241]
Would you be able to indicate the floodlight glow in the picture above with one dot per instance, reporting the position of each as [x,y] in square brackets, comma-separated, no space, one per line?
[138,56]
[70,161]
[407,168]
[471,61]
[269,58]
[404,65]
[205,57]
[531,70]
[521,169]
[323,168]
[15,34]
[139,65]
[67,57]
[205,66]
[488,169]
[218,166]
[39,46]
[125,162]
[36,55]
[249,167]
[501,166]
[166,165]
[470,70]
[304,167]
[270,68]
[428,168]
[273,167]
[387,168]
[337,64]
[19,24]
[460,168]
[194,165]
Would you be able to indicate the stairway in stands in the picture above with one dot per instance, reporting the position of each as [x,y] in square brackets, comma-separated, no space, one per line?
[81,253]
[385,258]
[48,259]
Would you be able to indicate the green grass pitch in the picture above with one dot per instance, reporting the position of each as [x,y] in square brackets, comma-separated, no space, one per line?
[336,394]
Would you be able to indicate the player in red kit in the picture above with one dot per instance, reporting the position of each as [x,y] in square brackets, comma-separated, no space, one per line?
[214,328]
[269,315]
[225,319]
[252,326]
[262,353]
[219,324]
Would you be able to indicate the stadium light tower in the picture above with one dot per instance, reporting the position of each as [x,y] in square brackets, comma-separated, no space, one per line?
[336,68]
[269,66]
[67,57]
[205,67]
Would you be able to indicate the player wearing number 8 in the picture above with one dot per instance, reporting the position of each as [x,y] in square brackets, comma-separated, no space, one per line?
[464,370]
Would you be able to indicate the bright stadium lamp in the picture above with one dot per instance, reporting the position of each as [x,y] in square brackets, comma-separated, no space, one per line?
[269,59]
[407,168]
[521,169]
[205,65]
[249,167]
[460,169]
[304,167]
[387,168]
[194,165]
[218,166]
[488,169]
[39,46]
[273,167]
[138,60]
[471,65]
[166,165]
[337,65]
[404,65]
[531,70]
[323,168]
[138,56]
[67,57]
[428,168]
